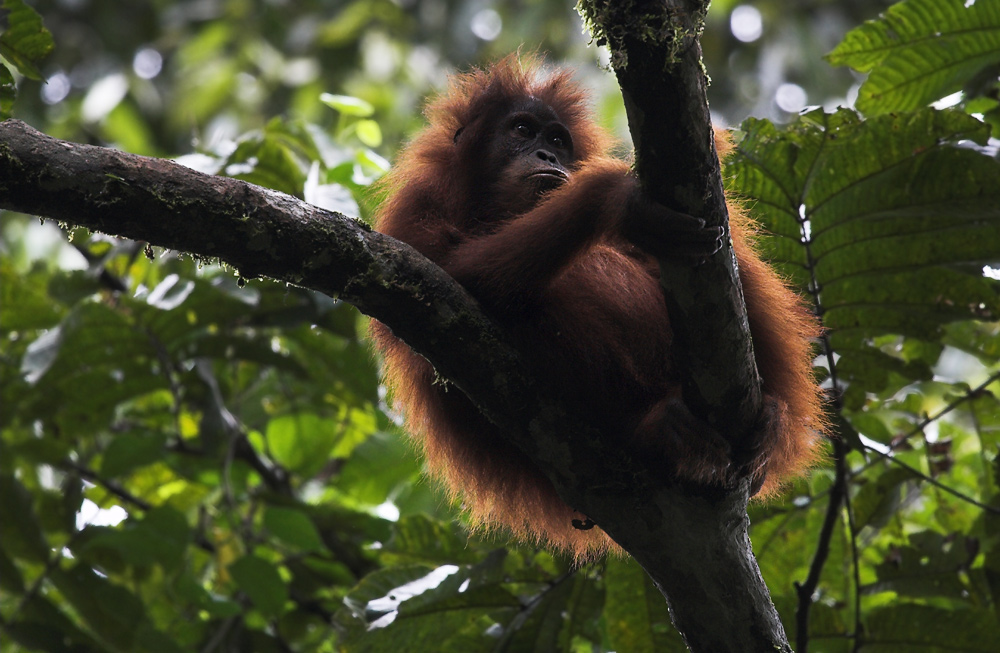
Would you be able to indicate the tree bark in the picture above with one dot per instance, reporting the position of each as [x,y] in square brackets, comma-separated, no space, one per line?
[656,56]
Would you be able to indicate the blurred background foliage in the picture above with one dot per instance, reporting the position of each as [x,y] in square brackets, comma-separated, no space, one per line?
[190,461]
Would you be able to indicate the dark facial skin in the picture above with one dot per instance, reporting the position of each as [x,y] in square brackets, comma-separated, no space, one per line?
[533,151]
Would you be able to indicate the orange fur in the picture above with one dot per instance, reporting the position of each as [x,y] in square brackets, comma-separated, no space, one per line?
[582,304]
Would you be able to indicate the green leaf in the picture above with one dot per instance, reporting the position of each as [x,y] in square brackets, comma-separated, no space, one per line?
[919,51]
[260,580]
[347,105]
[41,354]
[372,162]
[45,627]
[931,566]
[11,579]
[412,608]
[8,92]
[168,534]
[161,536]
[170,293]
[369,133]
[278,157]
[635,612]
[188,589]
[26,304]
[131,450]
[96,348]
[24,40]
[110,547]
[302,442]
[126,127]
[877,502]
[293,527]
[550,618]
[900,221]
[384,466]
[382,583]
[418,537]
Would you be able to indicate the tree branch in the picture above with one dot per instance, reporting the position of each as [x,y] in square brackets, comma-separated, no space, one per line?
[259,232]
[656,55]
[657,58]
[806,589]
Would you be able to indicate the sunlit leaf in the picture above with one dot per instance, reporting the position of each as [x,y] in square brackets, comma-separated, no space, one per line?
[302,442]
[347,105]
[369,133]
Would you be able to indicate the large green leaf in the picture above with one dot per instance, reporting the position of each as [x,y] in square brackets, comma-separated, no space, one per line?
[920,51]
[891,219]
[551,618]
[302,442]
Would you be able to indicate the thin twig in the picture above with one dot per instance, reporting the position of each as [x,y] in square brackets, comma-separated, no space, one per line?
[856,569]
[805,589]
[927,421]
[110,486]
[933,481]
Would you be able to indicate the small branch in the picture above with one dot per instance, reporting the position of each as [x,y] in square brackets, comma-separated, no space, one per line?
[923,424]
[807,588]
[110,486]
[856,575]
[933,481]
